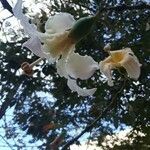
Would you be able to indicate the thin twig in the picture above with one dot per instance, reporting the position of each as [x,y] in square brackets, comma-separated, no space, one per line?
[11,147]
[105,111]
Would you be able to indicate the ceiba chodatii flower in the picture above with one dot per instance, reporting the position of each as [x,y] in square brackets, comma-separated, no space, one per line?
[120,58]
[58,41]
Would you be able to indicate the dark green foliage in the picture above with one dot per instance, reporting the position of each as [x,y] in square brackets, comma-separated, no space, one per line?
[33,108]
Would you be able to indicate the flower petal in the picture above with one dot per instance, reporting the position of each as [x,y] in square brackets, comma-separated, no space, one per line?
[30,29]
[118,58]
[59,22]
[131,64]
[106,68]
[61,67]
[82,67]
[34,45]
[82,92]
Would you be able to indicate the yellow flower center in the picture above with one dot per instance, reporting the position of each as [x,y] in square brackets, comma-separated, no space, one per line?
[117,56]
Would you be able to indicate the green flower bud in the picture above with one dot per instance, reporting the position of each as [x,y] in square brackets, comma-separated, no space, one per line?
[81,28]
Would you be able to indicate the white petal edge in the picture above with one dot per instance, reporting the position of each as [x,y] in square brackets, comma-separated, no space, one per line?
[132,66]
[106,70]
[82,67]
[34,44]
[72,84]
[61,67]
[30,29]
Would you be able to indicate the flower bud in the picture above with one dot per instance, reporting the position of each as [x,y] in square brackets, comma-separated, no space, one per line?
[81,28]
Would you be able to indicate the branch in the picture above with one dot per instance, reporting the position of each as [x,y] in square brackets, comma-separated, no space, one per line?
[11,147]
[105,111]
[7,6]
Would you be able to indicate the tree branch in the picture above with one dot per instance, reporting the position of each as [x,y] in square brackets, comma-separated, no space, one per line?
[11,147]
[105,111]
[6,6]
[88,128]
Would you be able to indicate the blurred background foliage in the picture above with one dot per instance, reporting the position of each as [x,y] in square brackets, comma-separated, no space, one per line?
[43,105]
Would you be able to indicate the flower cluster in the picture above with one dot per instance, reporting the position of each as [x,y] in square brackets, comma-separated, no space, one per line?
[57,44]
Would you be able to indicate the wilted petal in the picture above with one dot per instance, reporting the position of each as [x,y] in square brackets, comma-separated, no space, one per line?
[82,92]
[132,68]
[106,68]
[131,64]
[82,67]
[34,43]
[61,67]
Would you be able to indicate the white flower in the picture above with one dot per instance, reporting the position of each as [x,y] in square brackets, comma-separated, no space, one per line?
[121,58]
[54,43]
[55,39]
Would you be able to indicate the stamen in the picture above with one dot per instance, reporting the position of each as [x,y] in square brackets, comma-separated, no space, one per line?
[28,68]
[107,48]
